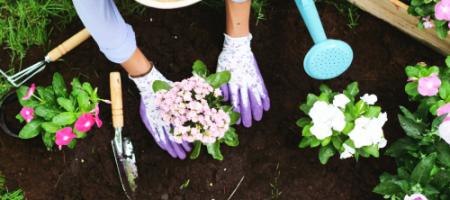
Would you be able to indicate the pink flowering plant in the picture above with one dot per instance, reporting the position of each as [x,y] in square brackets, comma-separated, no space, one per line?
[423,155]
[341,123]
[433,14]
[59,116]
[194,108]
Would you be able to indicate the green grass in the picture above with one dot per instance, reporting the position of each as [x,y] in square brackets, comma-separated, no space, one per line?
[258,7]
[9,195]
[345,8]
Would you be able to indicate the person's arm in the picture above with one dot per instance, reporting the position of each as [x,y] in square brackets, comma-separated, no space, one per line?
[246,89]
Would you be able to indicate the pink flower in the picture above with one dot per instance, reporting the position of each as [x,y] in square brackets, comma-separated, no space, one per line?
[444,110]
[30,92]
[429,86]
[97,119]
[442,10]
[427,22]
[27,114]
[64,137]
[416,196]
[85,122]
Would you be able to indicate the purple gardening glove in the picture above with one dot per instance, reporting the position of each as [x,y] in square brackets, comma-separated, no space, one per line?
[246,88]
[159,129]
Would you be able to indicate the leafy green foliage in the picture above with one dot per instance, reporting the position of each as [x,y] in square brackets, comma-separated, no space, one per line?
[423,158]
[334,144]
[55,108]
[425,8]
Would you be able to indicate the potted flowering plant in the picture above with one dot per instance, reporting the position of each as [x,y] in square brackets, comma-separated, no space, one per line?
[59,116]
[340,123]
[194,107]
[433,14]
[423,156]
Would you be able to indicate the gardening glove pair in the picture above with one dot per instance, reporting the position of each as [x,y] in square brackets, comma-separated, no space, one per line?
[153,121]
[246,88]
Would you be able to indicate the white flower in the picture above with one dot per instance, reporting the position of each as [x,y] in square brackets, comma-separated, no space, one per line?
[382,143]
[369,131]
[416,196]
[444,131]
[326,118]
[341,100]
[348,152]
[369,99]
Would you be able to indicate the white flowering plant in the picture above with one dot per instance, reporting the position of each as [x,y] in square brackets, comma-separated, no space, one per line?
[423,155]
[339,123]
[195,110]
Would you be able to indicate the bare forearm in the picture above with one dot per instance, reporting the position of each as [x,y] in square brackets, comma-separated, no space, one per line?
[238,17]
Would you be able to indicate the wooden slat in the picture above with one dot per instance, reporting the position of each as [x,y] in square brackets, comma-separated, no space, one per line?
[395,13]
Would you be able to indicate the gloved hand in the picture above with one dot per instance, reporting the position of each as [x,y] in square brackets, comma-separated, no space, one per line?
[246,88]
[159,129]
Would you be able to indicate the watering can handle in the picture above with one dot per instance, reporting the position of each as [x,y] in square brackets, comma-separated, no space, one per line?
[116,99]
[311,18]
[68,45]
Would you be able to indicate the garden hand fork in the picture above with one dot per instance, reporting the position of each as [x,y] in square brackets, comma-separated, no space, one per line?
[122,147]
[23,76]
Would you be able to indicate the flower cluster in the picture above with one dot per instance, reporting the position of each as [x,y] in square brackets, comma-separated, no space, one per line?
[194,108]
[433,14]
[340,124]
[185,106]
[60,117]
[423,155]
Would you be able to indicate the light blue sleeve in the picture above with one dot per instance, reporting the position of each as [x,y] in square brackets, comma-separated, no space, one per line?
[115,38]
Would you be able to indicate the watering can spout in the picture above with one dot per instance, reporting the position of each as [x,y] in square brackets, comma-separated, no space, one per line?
[311,18]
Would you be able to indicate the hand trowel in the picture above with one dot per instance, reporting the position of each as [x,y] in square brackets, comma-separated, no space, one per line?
[122,147]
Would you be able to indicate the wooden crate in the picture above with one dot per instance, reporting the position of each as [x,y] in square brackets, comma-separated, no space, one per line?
[395,13]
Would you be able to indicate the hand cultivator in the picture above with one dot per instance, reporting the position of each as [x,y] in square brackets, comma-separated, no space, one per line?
[23,76]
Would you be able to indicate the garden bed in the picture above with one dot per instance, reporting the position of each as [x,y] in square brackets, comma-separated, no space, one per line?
[268,156]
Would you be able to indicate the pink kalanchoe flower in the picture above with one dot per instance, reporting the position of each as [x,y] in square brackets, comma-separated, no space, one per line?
[27,114]
[429,86]
[85,122]
[64,137]
[30,92]
[442,10]
[444,110]
[97,119]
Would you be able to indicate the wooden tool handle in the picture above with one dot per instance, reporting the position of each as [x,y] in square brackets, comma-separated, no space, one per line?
[68,45]
[116,99]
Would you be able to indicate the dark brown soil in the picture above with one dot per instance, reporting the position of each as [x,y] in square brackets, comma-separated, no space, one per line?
[174,39]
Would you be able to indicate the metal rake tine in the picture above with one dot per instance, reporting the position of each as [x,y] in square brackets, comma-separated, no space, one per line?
[29,77]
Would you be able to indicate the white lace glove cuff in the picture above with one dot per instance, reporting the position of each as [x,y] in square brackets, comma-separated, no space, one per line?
[237,43]
[145,83]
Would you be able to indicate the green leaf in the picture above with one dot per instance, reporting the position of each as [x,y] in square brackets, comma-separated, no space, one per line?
[408,114]
[348,128]
[306,131]
[20,118]
[302,122]
[438,121]
[372,150]
[77,88]
[325,89]
[214,150]
[411,89]
[88,88]
[443,150]
[373,111]
[337,142]
[49,140]
[46,112]
[218,79]
[325,153]
[46,94]
[326,141]
[410,127]
[65,118]
[391,187]
[447,61]
[421,173]
[231,138]
[199,68]
[30,130]
[412,71]
[441,179]
[310,100]
[65,103]
[72,144]
[160,85]
[305,108]
[360,108]
[305,142]
[80,135]
[50,127]
[196,151]
[401,147]
[352,90]
[444,90]
[83,102]
[234,117]
[59,86]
